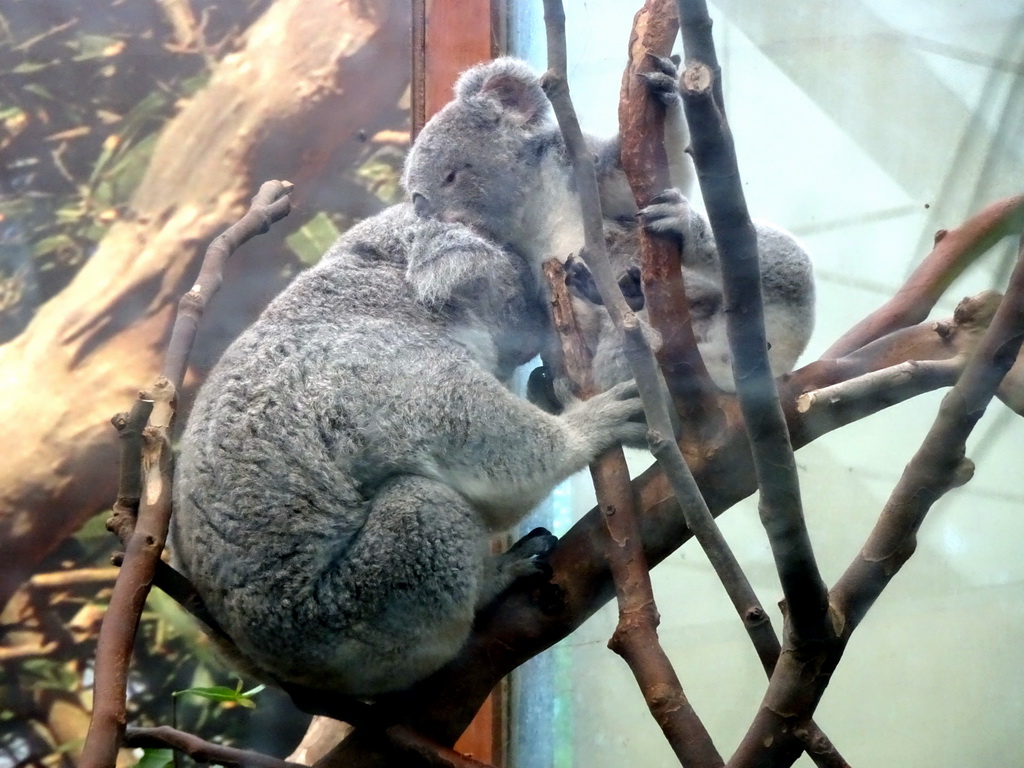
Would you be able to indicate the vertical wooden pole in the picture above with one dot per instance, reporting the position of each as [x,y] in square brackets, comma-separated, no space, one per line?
[449,36]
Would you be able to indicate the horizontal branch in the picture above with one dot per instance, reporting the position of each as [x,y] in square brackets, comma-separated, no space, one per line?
[202,751]
[954,251]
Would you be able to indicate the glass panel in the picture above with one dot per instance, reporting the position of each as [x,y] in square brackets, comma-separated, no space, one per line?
[862,127]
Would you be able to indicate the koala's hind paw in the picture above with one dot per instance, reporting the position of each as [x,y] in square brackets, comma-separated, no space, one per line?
[632,288]
[580,280]
[531,552]
[666,214]
[526,560]
[664,82]
[540,390]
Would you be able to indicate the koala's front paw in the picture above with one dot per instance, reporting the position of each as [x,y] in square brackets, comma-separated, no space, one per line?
[580,281]
[666,214]
[663,81]
[612,417]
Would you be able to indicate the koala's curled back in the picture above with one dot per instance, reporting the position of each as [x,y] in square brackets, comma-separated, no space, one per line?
[351,455]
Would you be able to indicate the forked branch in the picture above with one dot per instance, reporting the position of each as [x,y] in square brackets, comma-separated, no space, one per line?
[144,537]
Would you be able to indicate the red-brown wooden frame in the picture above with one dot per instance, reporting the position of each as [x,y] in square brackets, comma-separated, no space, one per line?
[447,37]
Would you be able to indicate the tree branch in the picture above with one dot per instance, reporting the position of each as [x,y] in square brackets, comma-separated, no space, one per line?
[643,158]
[938,466]
[200,750]
[954,251]
[718,172]
[143,548]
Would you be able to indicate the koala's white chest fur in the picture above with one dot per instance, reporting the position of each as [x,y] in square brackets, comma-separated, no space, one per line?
[553,224]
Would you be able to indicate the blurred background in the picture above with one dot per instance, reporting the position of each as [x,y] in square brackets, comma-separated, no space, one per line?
[131,133]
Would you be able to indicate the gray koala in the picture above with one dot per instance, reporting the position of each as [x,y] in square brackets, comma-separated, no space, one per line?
[787,285]
[495,159]
[350,457]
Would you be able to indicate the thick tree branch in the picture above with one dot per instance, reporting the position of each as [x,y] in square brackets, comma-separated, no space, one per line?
[780,506]
[642,153]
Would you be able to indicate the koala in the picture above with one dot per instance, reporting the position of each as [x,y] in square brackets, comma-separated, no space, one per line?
[352,454]
[495,159]
[787,287]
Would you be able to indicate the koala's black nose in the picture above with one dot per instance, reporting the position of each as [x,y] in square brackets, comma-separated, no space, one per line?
[420,204]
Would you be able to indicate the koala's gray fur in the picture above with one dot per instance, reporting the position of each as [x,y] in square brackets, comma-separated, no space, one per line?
[787,288]
[494,158]
[349,458]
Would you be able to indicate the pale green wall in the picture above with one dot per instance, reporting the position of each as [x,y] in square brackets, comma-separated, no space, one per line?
[863,127]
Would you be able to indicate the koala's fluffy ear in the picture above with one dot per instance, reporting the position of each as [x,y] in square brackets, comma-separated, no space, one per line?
[511,83]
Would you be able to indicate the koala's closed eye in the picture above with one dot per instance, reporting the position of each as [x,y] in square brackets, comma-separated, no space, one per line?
[454,173]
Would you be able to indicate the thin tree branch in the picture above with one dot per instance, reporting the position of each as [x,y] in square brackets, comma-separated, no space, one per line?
[635,637]
[955,337]
[74,578]
[129,427]
[143,548]
[780,506]
[271,203]
[879,384]
[954,251]
[202,751]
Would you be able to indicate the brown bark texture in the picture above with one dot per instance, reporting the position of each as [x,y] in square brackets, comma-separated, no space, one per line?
[287,104]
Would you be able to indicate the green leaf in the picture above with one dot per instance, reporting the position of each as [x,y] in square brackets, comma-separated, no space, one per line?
[313,238]
[155,758]
[28,67]
[223,694]
[95,47]
[52,244]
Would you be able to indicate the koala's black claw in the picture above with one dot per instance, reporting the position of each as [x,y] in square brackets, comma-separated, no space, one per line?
[668,65]
[538,543]
[544,571]
[663,87]
[580,281]
[670,195]
[632,288]
[540,390]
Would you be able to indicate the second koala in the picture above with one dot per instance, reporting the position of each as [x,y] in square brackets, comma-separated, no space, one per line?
[495,159]
[350,457]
